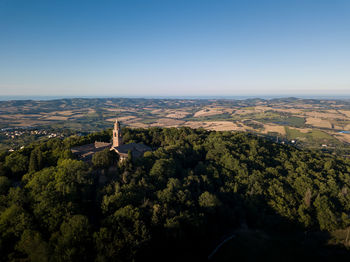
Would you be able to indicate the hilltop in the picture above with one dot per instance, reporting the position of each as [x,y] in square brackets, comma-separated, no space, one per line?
[176,202]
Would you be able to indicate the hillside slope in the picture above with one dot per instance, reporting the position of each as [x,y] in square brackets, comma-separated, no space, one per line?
[176,203]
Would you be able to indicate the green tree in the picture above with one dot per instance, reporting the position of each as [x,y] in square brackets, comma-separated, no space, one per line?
[73,178]
[208,200]
[14,220]
[103,159]
[325,214]
[5,185]
[17,163]
[35,248]
[125,235]
[35,160]
[73,243]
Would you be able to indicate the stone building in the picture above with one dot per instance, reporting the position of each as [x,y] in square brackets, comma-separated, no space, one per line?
[117,135]
[85,152]
[136,149]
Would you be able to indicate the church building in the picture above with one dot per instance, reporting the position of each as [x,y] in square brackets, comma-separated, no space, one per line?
[136,149]
[85,152]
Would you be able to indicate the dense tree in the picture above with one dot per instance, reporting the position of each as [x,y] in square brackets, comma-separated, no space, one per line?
[5,184]
[17,163]
[33,246]
[208,200]
[72,178]
[172,204]
[73,241]
[35,160]
[103,159]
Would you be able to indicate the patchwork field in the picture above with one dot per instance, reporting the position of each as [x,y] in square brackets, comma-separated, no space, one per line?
[274,128]
[215,125]
[309,123]
[318,122]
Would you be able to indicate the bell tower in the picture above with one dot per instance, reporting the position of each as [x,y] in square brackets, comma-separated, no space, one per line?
[117,135]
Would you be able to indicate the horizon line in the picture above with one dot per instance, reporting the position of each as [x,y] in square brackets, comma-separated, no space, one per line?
[204,97]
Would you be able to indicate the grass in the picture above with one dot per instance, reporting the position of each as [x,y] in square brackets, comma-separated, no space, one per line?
[273,117]
[312,138]
[285,120]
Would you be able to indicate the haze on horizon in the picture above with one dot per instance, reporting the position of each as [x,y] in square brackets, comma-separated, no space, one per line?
[174,48]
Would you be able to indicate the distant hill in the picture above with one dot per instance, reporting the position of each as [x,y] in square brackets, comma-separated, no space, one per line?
[310,123]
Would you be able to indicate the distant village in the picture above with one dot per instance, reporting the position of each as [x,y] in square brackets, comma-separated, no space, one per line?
[13,133]
[19,136]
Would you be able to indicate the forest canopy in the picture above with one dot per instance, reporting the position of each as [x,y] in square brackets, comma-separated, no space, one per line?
[174,203]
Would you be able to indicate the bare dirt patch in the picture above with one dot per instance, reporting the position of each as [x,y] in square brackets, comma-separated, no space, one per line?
[65,113]
[138,125]
[123,118]
[243,111]
[343,137]
[120,110]
[289,110]
[8,117]
[168,122]
[279,109]
[178,114]
[10,109]
[157,111]
[91,111]
[274,128]
[214,125]
[328,116]
[29,122]
[318,122]
[209,112]
[78,116]
[332,111]
[262,108]
[20,117]
[56,118]
[345,112]
[301,106]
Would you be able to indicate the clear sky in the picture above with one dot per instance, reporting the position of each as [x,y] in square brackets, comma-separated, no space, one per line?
[174,47]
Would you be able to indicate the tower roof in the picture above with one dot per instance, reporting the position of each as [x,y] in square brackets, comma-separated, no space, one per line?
[116,124]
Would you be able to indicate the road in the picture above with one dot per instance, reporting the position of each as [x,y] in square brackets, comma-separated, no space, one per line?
[220,245]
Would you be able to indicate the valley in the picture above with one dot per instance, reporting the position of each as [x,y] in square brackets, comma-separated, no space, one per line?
[307,123]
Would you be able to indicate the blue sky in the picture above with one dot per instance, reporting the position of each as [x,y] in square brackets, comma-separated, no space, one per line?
[174,48]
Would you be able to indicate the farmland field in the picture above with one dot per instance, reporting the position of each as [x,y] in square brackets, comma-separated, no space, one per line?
[310,123]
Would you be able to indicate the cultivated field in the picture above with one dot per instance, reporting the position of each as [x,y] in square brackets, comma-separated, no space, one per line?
[311,123]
